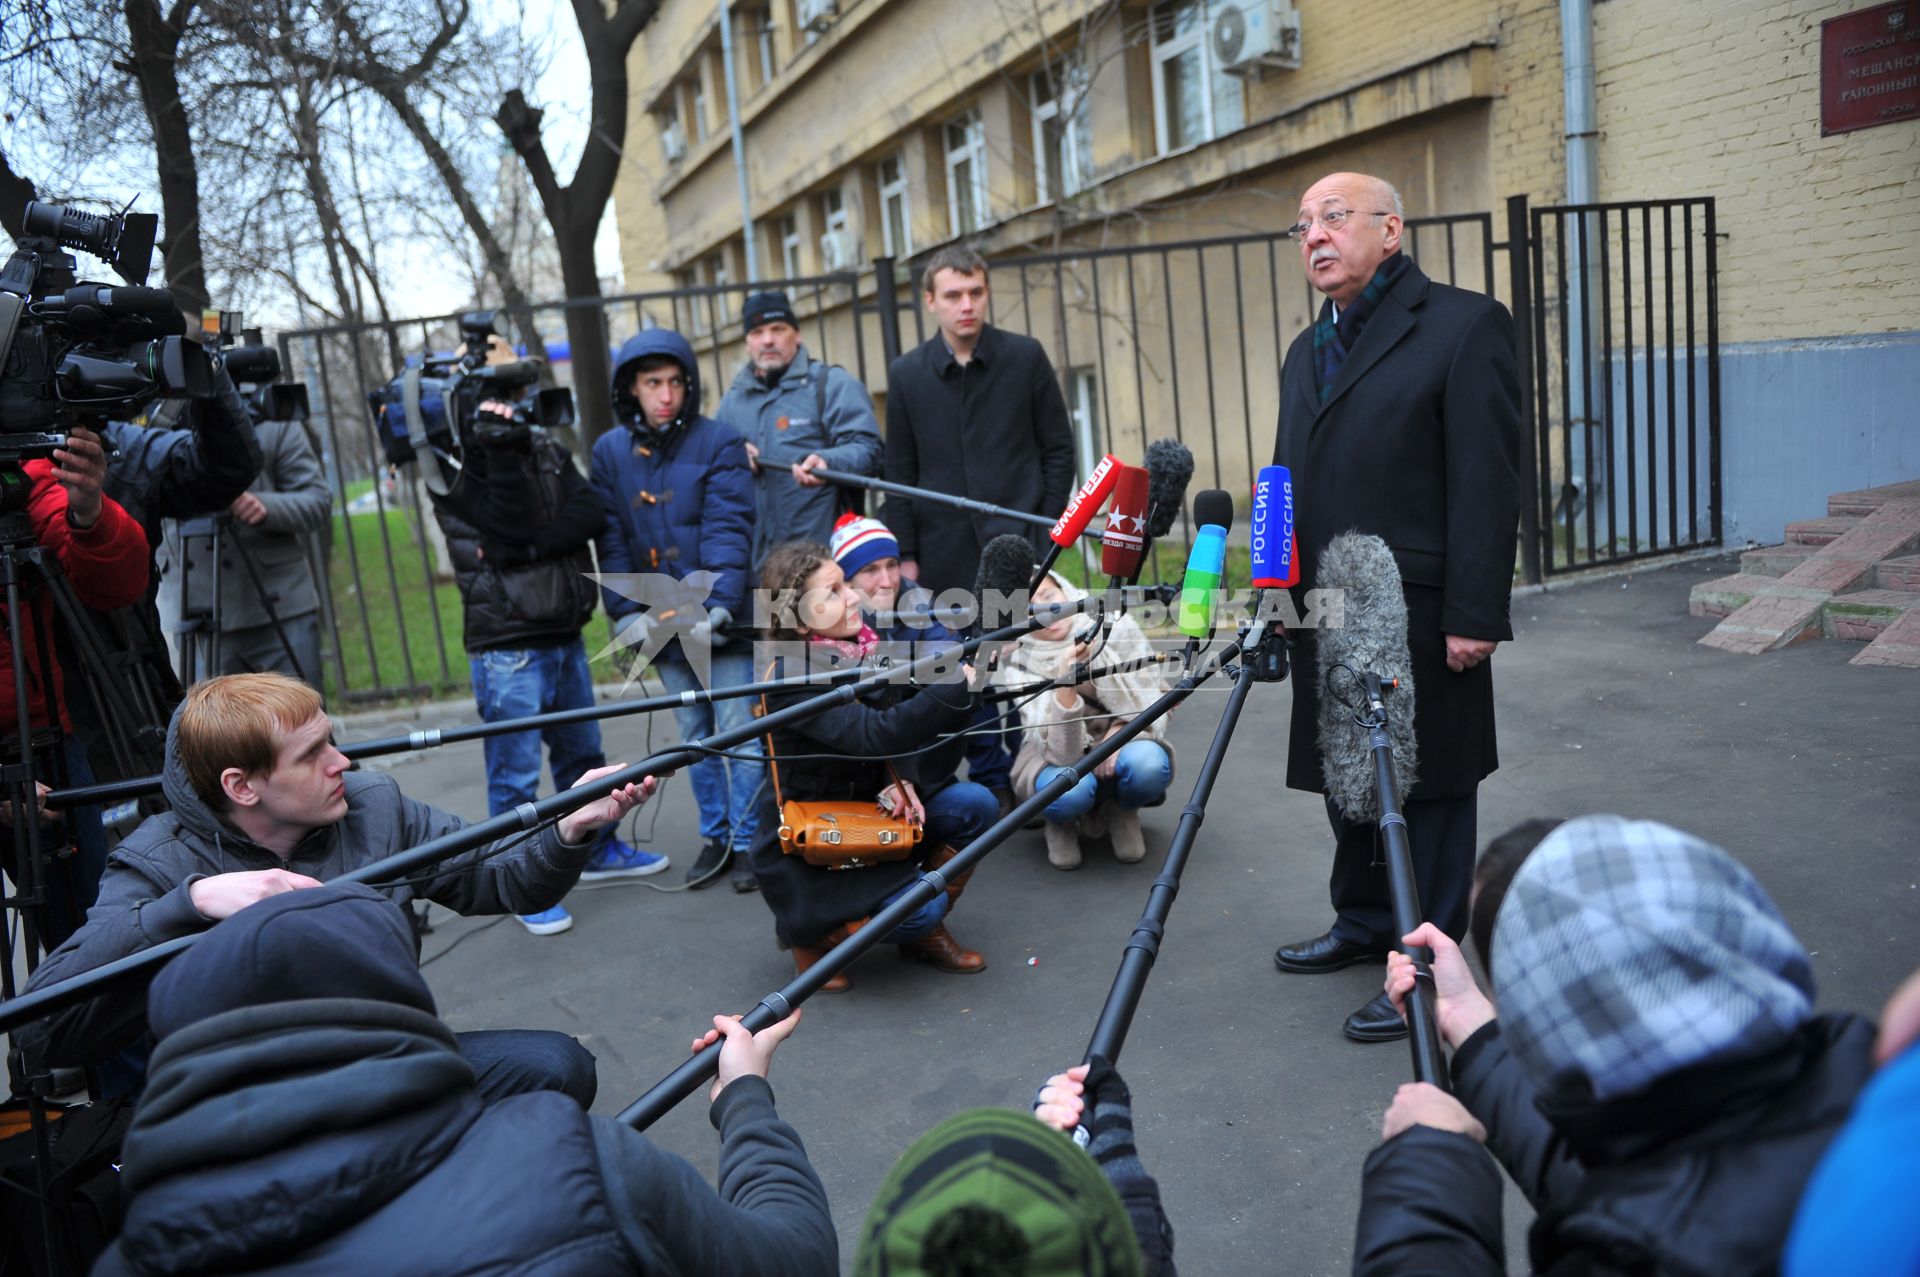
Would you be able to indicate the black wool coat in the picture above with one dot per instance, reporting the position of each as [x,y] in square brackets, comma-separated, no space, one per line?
[1418,444]
[994,429]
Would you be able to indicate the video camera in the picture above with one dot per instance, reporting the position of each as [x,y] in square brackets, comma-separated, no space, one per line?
[258,366]
[435,402]
[73,352]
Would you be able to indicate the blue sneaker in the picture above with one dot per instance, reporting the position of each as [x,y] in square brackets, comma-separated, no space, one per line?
[548,922]
[617,860]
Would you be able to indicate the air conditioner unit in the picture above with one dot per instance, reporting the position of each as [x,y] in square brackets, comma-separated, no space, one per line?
[1251,36]
[674,139]
[817,15]
[839,250]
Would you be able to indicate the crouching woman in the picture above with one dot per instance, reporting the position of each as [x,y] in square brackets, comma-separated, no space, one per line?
[864,757]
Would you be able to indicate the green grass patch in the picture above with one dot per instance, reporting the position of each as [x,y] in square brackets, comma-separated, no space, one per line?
[392,618]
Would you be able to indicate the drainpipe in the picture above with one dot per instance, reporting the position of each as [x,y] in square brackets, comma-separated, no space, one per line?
[1583,275]
[739,144]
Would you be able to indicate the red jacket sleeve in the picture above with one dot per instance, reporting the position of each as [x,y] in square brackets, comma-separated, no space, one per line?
[108,562]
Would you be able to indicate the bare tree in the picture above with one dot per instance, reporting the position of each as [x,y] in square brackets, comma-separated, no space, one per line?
[575,210]
[153,60]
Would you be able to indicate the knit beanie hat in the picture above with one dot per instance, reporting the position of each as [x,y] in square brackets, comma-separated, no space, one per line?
[1627,950]
[766,308]
[992,1190]
[343,940]
[859,540]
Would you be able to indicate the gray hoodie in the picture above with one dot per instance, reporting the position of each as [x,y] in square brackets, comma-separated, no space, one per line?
[144,898]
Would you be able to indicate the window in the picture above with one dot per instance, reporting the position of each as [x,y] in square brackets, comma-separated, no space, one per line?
[763,41]
[1062,133]
[672,138]
[896,216]
[966,148]
[833,208]
[790,246]
[721,303]
[699,111]
[1083,410]
[1193,102]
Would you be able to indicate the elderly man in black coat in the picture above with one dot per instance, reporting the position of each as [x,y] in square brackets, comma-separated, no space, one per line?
[1400,417]
[978,413]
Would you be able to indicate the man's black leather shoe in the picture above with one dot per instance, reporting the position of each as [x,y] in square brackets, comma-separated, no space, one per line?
[1376,1022]
[1323,954]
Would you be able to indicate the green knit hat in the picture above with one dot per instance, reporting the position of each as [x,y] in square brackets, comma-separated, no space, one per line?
[995,1193]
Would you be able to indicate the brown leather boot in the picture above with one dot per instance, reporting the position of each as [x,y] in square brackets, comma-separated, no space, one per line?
[942,951]
[804,957]
[941,855]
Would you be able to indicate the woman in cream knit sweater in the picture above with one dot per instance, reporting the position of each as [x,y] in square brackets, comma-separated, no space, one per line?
[1062,724]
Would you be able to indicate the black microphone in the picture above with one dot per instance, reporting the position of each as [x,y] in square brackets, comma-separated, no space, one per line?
[1006,566]
[1371,638]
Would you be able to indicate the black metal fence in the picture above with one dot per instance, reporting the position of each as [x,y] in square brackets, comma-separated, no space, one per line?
[1180,340]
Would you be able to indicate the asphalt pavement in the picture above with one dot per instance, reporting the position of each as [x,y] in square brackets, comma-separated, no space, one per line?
[1250,1108]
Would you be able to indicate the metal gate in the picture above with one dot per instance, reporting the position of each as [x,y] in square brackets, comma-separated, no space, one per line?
[1616,340]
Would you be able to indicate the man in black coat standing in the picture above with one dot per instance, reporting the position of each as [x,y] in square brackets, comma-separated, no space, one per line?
[1400,417]
[975,412]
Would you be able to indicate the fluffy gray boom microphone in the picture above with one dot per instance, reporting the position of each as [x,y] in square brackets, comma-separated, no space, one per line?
[1169,470]
[1372,638]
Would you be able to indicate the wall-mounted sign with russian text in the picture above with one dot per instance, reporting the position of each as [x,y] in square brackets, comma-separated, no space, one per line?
[1870,67]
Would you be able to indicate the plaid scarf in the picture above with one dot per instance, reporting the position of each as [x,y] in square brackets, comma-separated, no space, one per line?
[1332,339]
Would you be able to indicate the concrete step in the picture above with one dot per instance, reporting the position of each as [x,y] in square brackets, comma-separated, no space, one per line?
[1725,595]
[1898,574]
[1817,532]
[1898,644]
[1862,616]
[1776,560]
[1867,500]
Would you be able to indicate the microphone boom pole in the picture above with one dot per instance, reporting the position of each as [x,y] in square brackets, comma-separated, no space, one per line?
[847,480]
[776,1006]
[1143,946]
[1423,1023]
[32,1006]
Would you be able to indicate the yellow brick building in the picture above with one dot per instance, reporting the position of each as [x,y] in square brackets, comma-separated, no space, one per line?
[886,128]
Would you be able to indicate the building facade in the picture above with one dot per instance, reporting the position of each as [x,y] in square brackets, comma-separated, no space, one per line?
[886,128]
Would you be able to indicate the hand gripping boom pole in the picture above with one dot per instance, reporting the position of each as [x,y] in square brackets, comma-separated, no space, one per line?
[1143,946]
[31,1006]
[777,1006]
[1423,1021]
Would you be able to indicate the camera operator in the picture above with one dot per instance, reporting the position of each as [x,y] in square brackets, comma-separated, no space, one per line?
[99,550]
[519,522]
[166,471]
[266,524]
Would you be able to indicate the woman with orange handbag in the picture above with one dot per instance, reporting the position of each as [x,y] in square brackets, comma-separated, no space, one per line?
[858,769]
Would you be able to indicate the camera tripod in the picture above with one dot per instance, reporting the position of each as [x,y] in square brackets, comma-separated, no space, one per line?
[207,625]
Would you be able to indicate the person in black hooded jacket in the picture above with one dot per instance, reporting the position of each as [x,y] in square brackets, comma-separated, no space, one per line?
[309,1113]
[1655,1081]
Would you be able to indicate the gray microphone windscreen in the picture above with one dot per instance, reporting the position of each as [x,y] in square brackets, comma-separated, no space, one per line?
[1169,467]
[1371,638]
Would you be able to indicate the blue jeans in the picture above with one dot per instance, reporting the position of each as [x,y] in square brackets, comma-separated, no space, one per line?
[1142,770]
[726,789]
[956,816]
[517,682]
[990,754]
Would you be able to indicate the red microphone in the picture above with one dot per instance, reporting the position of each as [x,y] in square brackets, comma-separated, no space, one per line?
[1086,503]
[1125,539]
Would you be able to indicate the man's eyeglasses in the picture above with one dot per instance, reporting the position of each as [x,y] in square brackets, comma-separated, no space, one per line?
[1333,219]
